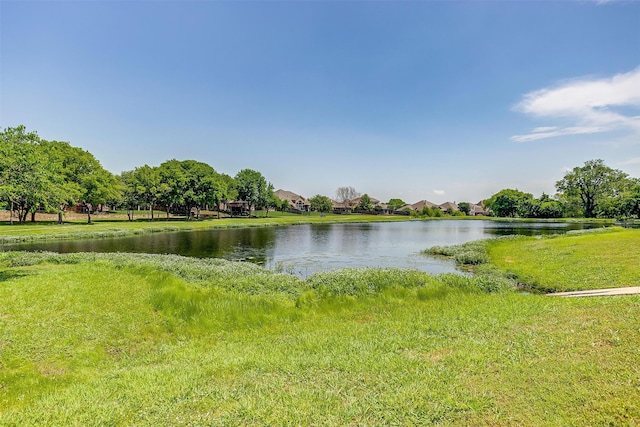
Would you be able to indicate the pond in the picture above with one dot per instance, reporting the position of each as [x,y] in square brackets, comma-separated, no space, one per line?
[306,249]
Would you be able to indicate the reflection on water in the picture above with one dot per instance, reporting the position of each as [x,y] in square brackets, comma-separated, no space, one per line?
[306,249]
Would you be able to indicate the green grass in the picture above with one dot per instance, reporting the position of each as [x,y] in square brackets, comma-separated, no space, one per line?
[123,339]
[103,227]
[578,260]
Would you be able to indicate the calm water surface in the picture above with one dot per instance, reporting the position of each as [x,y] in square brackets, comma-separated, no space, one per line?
[306,249]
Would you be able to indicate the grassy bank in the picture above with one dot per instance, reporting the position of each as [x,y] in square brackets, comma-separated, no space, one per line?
[118,339]
[106,226]
[595,259]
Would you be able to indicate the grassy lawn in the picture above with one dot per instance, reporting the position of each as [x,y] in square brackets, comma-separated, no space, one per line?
[571,262]
[117,226]
[119,339]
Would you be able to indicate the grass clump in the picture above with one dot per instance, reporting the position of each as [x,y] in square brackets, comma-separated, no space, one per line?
[472,253]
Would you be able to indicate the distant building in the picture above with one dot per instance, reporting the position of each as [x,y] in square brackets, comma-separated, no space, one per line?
[297,203]
[478,209]
[448,206]
[418,206]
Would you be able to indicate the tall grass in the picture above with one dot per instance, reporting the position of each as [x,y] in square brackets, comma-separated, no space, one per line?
[128,339]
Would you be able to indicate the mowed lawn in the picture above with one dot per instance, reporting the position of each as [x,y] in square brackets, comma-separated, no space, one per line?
[595,260]
[116,339]
[108,225]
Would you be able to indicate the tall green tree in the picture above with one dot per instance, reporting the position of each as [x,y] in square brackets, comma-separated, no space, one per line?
[173,182]
[147,179]
[365,203]
[84,178]
[202,186]
[29,177]
[130,197]
[251,187]
[508,202]
[592,184]
[321,204]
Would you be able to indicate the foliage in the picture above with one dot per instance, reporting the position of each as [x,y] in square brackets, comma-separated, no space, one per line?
[252,188]
[395,204]
[365,203]
[465,207]
[28,178]
[508,202]
[592,183]
[321,204]
[427,212]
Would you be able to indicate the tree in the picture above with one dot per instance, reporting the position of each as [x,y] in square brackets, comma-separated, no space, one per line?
[83,177]
[268,199]
[227,190]
[395,204]
[172,184]
[508,202]
[592,184]
[630,200]
[130,198]
[251,187]
[321,204]
[97,186]
[365,203]
[30,177]
[202,187]
[550,208]
[346,194]
[465,207]
[146,186]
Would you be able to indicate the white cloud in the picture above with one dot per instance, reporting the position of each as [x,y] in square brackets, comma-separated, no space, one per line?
[438,192]
[632,161]
[589,104]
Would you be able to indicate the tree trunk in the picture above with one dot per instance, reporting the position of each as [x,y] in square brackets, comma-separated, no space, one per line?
[152,206]
[168,209]
[22,215]
[59,217]
[33,217]
[11,214]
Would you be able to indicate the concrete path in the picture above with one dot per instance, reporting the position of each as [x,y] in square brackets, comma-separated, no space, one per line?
[598,292]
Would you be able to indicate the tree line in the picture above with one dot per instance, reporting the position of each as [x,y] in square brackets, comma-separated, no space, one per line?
[593,190]
[53,176]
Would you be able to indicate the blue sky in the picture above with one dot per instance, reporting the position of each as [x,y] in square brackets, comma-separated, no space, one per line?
[446,101]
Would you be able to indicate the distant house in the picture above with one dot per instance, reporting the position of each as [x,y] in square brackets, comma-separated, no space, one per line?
[343,207]
[478,209]
[418,206]
[449,207]
[238,208]
[297,203]
[376,205]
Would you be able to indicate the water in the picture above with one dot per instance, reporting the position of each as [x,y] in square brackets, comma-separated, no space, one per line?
[306,249]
